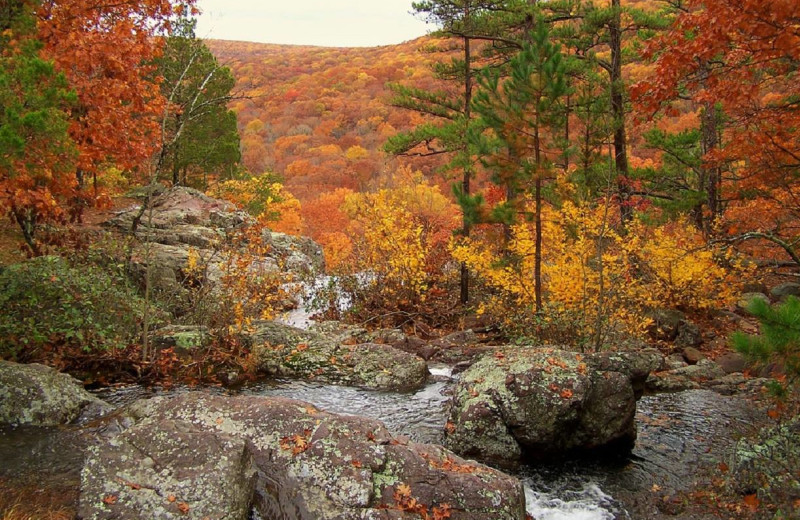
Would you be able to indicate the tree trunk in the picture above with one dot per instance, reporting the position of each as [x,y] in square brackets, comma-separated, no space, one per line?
[465,182]
[537,254]
[618,115]
[711,174]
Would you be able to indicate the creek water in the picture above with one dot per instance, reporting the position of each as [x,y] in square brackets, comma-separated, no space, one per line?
[678,435]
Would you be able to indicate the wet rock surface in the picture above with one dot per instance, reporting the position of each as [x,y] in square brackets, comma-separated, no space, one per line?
[37,395]
[309,465]
[285,351]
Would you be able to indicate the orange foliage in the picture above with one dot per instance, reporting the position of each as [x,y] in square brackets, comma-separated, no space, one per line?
[104,48]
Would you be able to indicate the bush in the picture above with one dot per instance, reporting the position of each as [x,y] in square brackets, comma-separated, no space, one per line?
[46,302]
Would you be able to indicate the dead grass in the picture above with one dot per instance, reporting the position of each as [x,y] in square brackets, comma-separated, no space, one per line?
[30,502]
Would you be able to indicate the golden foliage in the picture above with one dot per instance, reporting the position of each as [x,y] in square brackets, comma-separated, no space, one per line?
[596,281]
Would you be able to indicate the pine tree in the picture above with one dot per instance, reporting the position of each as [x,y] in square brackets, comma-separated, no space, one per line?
[522,114]
[779,340]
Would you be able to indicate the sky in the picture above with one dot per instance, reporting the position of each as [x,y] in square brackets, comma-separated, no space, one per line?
[330,23]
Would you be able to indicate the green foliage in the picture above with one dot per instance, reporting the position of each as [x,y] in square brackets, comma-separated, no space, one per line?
[36,153]
[47,302]
[204,134]
[779,340]
[518,112]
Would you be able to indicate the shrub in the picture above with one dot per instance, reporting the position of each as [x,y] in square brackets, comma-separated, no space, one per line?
[47,302]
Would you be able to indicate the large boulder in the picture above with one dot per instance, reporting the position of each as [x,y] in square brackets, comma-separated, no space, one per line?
[182,219]
[309,465]
[285,351]
[168,469]
[527,402]
[38,395]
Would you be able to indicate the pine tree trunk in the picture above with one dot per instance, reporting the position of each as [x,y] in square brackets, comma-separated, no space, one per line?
[618,115]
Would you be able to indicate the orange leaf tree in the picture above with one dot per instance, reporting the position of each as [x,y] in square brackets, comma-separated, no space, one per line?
[106,50]
[743,56]
[35,149]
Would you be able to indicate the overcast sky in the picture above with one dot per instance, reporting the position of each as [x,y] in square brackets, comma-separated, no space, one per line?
[332,23]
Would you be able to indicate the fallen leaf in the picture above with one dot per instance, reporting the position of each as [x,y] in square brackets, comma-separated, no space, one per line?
[183,507]
[752,502]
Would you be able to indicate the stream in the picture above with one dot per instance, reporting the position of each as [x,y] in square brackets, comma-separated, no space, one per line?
[677,434]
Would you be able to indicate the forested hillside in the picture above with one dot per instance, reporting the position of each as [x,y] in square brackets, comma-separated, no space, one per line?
[573,202]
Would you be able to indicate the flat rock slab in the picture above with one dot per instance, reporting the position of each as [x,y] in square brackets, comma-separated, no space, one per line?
[309,464]
[282,350]
[38,395]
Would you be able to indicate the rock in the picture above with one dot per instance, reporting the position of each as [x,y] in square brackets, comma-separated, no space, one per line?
[311,465]
[168,469]
[692,355]
[674,361]
[183,219]
[736,384]
[184,339]
[526,402]
[38,395]
[685,378]
[285,351]
[754,287]
[665,323]
[635,364]
[767,463]
[457,339]
[731,362]
[744,300]
[688,335]
[784,290]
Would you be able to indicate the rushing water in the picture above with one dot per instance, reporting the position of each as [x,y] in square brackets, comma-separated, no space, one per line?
[678,433]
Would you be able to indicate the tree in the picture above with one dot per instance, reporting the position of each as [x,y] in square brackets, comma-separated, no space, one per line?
[743,57]
[202,133]
[779,340]
[36,153]
[604,29]
[106,48]
[521,113]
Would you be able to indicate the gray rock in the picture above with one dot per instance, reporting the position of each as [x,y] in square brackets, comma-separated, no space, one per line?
[457,339]
[689,335]
[674,361]
[285,351]
[782,291]
[183,219]
[685,378]
[744,300]
[767,464]
[665,323]
[184,339]
[38,395]
[311,465]
[542,402]
[159,467]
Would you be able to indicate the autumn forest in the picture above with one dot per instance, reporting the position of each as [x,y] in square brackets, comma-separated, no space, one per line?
[598,176]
